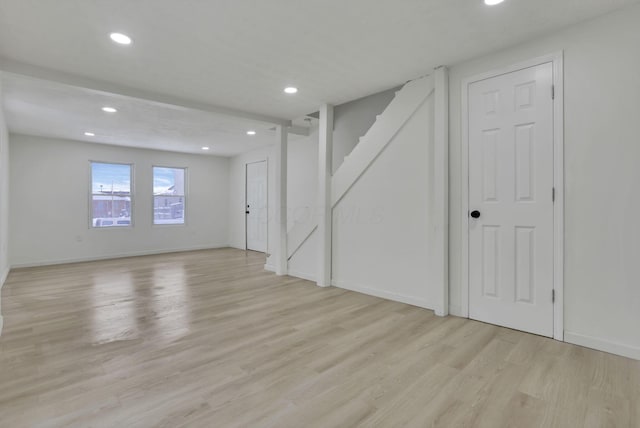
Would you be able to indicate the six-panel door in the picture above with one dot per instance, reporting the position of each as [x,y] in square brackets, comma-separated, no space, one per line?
[511,185]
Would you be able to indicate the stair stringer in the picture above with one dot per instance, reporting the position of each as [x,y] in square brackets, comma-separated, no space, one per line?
[387,125]
[402,108]
[298,235]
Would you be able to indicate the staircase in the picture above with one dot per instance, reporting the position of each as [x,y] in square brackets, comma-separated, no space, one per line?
[387,125]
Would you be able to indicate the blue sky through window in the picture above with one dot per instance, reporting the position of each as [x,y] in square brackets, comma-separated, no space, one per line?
[108,176]
[165,178]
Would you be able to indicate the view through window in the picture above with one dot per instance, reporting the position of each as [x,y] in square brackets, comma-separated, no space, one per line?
[110,194]
[168,195]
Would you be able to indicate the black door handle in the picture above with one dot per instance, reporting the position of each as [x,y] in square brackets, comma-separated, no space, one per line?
[246,212]
[475,214]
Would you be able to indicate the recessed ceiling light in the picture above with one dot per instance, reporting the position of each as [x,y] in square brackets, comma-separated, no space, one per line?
[291,90]
[120,38]
[109,110]
[205,148]
[89,134]
[251,132]
[492,2]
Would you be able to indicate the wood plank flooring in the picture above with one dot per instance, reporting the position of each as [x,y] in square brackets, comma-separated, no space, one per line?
[209,339]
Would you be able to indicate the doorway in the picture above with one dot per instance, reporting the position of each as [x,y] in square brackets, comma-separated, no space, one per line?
[514,199]
[256,206]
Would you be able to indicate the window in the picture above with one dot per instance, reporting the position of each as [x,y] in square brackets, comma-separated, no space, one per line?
[110,194]
[168,195]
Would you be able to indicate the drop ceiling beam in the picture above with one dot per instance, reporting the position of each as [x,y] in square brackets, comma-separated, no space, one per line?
[297,130]
[15,67]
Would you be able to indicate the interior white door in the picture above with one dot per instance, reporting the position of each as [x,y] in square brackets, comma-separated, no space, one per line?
[256,208]
[511,194]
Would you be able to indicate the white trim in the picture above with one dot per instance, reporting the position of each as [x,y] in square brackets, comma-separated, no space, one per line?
[302,275]
[410,300]
[558,181]
[464,200]
[294,242]
[280,201]
[602,345]
[118,256]
[270,268]
[558,207]
[3,277]
[440,223]
[324,205]
[455,310]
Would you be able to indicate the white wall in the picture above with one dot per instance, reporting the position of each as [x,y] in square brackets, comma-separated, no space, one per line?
[4,202]
[50,208]
[602,152]
[302,198]
[302,178]
[380,227]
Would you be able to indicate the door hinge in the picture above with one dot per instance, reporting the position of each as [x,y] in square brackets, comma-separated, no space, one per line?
[553,194]
[553,92]
[553,296]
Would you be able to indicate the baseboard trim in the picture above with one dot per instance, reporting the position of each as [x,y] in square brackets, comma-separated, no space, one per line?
[456,311]
[270,268]
[3,276]
[117,256]
[602,345]
[302,275]
[409,300]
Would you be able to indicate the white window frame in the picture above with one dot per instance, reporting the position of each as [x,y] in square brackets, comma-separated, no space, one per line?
[185,207]
[131,193]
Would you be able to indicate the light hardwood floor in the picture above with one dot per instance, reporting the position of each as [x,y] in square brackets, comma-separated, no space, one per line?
[209,339]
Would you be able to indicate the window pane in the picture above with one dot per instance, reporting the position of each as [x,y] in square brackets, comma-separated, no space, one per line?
[168,181]
[110,177]
[168,210]
[111,195]
[168,195]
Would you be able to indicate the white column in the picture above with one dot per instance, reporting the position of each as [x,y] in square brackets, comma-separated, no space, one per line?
[281,201]
[440,236]
[325,210]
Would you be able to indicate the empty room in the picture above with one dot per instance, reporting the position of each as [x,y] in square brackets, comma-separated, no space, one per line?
[390,213]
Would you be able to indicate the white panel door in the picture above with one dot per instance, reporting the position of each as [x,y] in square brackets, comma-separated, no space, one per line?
[256,209]
[511,194]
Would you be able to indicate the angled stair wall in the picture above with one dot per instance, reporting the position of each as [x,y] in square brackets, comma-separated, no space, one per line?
[404,105]
[388,124]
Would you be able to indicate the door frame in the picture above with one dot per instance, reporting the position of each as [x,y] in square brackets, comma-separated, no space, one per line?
[558,182]
[246,190]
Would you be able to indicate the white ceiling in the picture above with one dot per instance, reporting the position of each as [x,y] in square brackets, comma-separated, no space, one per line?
[48,109]
[240,54]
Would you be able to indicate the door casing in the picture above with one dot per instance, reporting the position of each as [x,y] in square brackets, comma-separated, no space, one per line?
[558,183]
